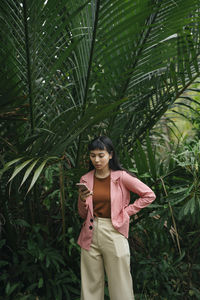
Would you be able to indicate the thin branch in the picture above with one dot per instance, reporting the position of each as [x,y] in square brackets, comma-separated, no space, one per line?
[62,203]
[173,219]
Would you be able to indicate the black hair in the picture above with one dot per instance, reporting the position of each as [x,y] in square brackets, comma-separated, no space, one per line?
[105,143]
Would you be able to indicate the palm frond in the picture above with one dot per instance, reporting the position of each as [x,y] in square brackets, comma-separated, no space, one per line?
[76,62]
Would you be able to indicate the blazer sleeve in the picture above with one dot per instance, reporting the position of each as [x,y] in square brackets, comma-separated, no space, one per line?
[146,195]
[82,210]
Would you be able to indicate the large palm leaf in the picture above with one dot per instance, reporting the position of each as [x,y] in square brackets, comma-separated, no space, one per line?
[79,63]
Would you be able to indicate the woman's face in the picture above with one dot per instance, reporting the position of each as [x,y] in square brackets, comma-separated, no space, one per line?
[100,159]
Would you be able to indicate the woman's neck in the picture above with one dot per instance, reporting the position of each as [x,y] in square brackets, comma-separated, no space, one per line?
[102,173]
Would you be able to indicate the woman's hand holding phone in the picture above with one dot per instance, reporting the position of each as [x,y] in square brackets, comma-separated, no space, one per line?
[84,192]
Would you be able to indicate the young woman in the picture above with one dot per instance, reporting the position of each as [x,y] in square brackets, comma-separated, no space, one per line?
[106,209]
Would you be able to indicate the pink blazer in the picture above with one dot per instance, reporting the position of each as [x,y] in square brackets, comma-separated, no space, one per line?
[121,209]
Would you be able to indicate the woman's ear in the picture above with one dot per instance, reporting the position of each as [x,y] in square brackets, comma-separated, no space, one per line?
[111,155]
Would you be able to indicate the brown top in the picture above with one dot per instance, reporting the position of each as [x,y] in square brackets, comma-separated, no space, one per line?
[101,197]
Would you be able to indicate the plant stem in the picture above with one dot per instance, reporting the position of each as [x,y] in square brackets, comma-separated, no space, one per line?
[173,220]
[88,75]
[62,202]
[29,79]
[139,48]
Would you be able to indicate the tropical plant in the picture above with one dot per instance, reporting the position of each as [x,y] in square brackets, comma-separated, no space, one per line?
[188,108]
[163,238]
[80,63]
[71,70]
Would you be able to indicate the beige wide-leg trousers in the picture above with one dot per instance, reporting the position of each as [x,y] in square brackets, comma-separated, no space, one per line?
[109,250]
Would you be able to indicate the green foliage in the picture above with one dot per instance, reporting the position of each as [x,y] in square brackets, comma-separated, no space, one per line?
[71,70]
[189,160]
[163,239]
[37,269]
[46,266]
[87,62]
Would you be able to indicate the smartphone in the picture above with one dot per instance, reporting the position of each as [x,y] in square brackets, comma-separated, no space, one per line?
[82,186]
